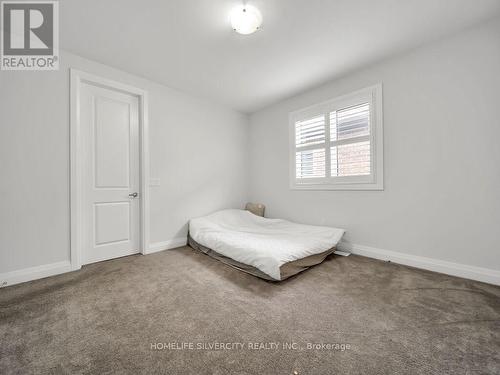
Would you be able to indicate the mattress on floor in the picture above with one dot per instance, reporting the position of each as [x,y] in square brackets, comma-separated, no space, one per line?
[273,249]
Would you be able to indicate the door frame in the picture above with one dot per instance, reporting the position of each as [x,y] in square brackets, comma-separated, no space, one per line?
[77,77]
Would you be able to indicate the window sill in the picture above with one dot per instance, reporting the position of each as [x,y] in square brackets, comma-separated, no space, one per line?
[360,187]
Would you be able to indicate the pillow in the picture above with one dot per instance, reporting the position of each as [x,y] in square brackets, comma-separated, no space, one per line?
[256,208]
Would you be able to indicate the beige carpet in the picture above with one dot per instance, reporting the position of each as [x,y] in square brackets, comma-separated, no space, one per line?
[132,315]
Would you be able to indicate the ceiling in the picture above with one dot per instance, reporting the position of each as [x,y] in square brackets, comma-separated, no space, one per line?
[189,44]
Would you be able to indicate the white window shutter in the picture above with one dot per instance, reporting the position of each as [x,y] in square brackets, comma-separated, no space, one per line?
[338,144]
[350,143]
[310,142]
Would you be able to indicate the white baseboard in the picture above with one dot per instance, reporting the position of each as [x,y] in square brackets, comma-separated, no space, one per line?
[33,273]
[485,275]
[46,270]
[455,269]
[166,245]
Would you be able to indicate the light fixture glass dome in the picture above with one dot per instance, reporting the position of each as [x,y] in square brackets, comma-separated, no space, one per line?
[245,19]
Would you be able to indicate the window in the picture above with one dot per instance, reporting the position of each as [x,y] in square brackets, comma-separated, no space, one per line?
[338,144]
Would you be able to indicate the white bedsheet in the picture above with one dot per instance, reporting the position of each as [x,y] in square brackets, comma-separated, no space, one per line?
[260,242]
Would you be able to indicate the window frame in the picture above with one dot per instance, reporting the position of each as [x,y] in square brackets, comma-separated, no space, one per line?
[374,181]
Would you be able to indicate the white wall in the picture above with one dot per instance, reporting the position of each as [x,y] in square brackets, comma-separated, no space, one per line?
[441,197]
[442,155]
[198,150]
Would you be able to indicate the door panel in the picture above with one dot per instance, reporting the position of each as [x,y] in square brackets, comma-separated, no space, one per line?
[109,121]
[112,143]
[112,222]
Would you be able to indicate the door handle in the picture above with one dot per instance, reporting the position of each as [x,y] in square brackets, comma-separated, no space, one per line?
[133,195]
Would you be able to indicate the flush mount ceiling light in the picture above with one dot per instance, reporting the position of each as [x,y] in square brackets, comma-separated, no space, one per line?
[245,19]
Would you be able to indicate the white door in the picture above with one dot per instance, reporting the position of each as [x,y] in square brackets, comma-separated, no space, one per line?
[109,122]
